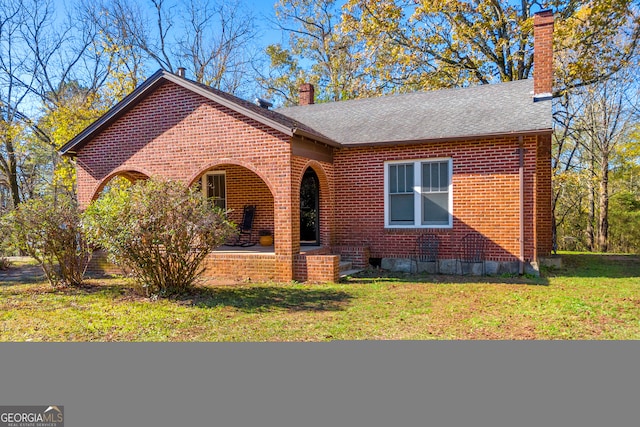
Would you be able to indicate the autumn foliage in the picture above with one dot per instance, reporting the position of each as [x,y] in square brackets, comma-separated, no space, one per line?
[160,231]
[49,230]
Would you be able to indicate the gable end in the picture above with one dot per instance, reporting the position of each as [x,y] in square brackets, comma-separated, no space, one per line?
[269,118]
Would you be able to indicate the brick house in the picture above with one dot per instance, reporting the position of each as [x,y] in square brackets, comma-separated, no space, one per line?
[371,174]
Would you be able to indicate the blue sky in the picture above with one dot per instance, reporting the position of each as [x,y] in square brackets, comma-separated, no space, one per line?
[263,10]
[264,13]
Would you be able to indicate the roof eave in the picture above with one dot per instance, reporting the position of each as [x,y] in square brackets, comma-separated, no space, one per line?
[447,139]
[319,138]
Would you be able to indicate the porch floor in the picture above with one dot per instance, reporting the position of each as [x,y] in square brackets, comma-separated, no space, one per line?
[257,249]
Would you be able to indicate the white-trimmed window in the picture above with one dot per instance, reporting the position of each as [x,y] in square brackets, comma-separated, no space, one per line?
[214,187]
[418,194]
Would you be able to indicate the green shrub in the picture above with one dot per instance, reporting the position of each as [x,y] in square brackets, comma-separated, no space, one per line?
[160,231]
[49,230]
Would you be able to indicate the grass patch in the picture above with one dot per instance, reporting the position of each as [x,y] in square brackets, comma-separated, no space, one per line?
[591,297]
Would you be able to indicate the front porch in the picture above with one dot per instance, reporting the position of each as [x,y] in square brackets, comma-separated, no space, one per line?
[260,263]
[302,240]
[258,249]
[254,263]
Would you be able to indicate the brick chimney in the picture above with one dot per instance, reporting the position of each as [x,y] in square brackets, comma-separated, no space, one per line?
[543,55]
[306,94]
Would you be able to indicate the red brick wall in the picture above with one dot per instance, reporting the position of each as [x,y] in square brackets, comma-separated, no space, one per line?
[177,134]
[357,255]
[485,197]
[323,268]
[300,265]
[236,266]
[218,265]
[99,265]
[543,231]
[317,267]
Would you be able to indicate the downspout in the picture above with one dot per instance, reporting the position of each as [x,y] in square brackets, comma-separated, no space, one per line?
[521,173]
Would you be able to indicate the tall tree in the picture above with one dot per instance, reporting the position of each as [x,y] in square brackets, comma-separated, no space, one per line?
[607,123]
[70,68]
[211,38]
[42,51]
[217,43]
[567,195]
[624,215]
[117,23]
[317,51]
[431,44]
[75,107]
[15,82]
[595,138]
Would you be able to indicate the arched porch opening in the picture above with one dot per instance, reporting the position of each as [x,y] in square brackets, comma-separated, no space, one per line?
[122,178]
[310,208]
[315,206]
[99,263]
[232,187]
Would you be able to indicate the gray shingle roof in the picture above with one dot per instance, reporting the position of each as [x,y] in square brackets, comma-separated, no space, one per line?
[496,109]
[485,110]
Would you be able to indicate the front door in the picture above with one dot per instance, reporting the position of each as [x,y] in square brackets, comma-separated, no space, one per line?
[310,209]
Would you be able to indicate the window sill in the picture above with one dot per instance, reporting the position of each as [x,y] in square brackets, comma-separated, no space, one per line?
[416,229]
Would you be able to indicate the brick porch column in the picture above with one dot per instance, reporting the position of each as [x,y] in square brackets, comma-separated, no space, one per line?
[287,241]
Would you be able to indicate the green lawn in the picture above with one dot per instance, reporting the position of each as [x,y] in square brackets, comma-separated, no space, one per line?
[591,297]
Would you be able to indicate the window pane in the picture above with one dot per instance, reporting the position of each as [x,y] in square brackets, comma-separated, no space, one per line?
[435,177]
[393,179]
[401,211]
[434,180]
[400,179]
[444,176]
[210,186]
[408,188]
[435,209]
[426,177]
[219,186]
[221,203]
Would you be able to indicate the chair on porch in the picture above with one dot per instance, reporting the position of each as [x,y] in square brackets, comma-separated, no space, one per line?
[427,246]
[244,237]
[472,251]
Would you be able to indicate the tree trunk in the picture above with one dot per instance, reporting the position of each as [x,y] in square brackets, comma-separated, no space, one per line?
[591,241]
[603,220]
[9,167]
[12,177]
[554,231]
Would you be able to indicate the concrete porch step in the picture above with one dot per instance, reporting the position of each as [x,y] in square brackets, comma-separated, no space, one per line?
[345,265]
[346,269]
[350,272]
